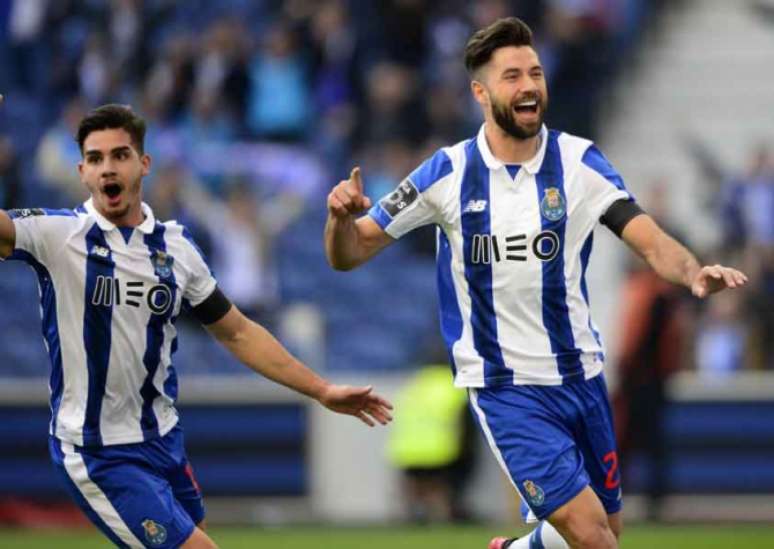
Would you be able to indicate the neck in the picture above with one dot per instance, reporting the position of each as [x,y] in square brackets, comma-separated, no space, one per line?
[507,148]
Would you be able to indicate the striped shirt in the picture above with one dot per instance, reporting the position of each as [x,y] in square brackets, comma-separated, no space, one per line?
[513,246]
[109,300]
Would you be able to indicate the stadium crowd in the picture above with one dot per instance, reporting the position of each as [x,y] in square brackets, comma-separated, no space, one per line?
[256,108]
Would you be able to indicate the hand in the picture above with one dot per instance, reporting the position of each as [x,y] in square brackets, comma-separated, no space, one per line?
[713,278]
[347,198]
[357,401]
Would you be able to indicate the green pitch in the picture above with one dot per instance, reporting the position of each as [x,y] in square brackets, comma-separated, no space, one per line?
[636,537]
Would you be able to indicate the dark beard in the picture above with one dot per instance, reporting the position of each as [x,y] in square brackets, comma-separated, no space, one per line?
[505,118]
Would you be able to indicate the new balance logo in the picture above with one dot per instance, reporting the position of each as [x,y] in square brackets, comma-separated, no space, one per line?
[475,206]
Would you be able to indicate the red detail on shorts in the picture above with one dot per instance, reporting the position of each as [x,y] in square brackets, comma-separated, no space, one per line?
[613,480]
[190,474]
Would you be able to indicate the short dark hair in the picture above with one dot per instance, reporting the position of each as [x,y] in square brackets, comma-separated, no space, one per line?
[113,116]
[509,31]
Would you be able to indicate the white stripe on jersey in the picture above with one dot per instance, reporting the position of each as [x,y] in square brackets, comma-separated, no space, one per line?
[79,474]
[108,308]
[512,254]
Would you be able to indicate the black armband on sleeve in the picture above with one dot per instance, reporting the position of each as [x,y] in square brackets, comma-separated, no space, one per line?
[213,308]
[619,214]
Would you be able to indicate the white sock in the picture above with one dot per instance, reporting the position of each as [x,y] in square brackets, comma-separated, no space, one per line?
[544,536]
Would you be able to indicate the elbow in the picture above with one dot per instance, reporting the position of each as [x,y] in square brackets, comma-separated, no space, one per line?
[339,264]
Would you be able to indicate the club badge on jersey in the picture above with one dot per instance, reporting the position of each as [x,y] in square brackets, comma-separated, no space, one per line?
[162,264]
[553,206]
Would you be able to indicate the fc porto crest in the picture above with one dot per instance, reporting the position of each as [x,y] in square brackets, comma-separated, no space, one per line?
[155,533]
[162,263]
[553,206]
[535,494]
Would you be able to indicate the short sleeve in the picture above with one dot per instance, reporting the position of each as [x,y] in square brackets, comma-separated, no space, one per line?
[201,282]
[39,233]
[603,184]
[413,203]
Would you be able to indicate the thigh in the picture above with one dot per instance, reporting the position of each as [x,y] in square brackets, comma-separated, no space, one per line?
[123,495]
[534,447]
[595,438]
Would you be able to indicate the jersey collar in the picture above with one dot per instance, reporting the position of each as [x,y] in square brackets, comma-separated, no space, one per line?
[145,227]
[532,166]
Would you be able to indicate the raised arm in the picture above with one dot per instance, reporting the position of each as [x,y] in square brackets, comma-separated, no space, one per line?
[255,347]
[349,241]
[7,235]
[673,262]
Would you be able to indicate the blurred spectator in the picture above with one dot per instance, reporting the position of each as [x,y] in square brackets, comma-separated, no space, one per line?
[432,443]
[243,230]
[721,338]
[394,109]
[653,326]
[747,212]
[279,100]
[9,175]
[58,153]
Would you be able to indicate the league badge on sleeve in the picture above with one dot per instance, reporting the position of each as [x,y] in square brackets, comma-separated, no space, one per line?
[162,263]
[553,206]
[400,199]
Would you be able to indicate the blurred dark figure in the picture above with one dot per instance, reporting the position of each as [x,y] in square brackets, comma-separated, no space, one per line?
[653,325]
[432,443]
[747,211]
[9,175]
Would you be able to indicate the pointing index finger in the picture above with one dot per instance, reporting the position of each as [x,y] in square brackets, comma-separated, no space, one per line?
[356,178]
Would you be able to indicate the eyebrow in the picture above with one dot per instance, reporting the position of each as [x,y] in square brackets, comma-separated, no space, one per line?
[122,148]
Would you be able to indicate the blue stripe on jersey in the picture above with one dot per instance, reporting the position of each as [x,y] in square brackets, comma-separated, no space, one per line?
[189,237]
[155,335]
[584,256]
[50,330]
[97,328]
[81,209]
[451,318]
[475,186]
[556,315]
[594,159]
[431,170]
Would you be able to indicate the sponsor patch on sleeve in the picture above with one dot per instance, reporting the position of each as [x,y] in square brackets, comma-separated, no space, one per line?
[401,198]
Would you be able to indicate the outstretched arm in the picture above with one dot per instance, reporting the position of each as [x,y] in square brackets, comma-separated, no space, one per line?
[255,347]
[673,262]
[349,241]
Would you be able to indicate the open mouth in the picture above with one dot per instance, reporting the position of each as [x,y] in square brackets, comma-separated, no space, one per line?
[112,190]
[526,107]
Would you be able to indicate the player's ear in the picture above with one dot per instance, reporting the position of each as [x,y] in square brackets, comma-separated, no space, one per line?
[480,93]
[145,159]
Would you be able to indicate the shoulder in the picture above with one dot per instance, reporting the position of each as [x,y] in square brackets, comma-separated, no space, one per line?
[178,236]
[437,167]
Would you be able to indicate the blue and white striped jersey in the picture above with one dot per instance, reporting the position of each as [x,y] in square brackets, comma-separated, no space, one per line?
[512,251]
[109,300]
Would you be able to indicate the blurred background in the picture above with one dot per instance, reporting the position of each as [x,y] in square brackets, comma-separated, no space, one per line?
[256,108]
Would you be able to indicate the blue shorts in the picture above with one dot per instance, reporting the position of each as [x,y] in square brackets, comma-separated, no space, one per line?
[552,441]
[138,495]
